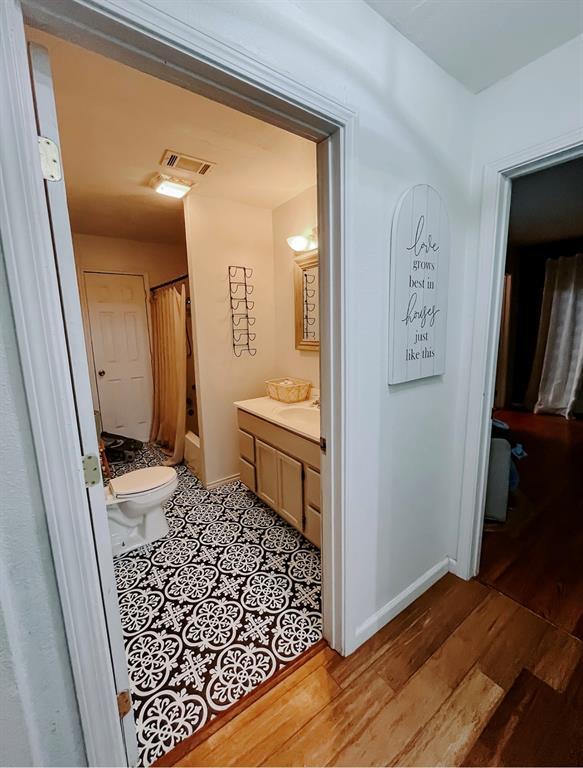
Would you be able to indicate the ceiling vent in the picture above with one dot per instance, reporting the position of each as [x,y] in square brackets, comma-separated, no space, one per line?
[185,163]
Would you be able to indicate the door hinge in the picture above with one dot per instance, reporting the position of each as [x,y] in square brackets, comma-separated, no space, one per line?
[50,159]
[323,444]
[91,471]
[124,703]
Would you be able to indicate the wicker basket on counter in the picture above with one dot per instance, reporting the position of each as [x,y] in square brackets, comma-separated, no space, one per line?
[288,390]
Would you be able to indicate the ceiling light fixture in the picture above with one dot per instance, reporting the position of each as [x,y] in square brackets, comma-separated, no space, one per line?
[300,243]
[170,185]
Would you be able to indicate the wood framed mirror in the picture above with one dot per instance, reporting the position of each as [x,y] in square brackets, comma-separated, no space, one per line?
[307,301]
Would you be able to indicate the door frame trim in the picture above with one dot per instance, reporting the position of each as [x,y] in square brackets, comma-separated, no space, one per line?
[493,234]
[147,39]
[36,307]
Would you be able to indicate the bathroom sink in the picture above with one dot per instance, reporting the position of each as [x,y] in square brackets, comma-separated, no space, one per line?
[302,418]
[306,417]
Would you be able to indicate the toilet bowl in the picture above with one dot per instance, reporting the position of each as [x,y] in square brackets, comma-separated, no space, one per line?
[135,507]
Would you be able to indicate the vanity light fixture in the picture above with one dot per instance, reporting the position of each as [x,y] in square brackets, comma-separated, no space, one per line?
[170,185]
[301,243]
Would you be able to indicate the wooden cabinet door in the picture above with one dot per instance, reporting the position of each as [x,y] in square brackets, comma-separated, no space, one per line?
[290,492]
[266,473]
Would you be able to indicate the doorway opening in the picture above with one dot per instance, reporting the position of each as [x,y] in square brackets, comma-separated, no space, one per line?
[231,593]
[533,534]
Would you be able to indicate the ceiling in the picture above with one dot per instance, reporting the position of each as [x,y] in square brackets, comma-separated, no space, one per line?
[115,124]
[547,205]
[481,41]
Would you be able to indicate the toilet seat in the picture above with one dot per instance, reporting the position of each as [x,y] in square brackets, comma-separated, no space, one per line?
[141,481]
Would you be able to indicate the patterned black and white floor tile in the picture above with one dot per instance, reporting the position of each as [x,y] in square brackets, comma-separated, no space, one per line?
[209,612]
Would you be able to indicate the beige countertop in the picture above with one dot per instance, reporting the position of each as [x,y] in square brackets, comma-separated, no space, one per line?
[302,418]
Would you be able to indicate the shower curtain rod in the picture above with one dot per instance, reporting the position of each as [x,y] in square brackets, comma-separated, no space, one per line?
[170,282]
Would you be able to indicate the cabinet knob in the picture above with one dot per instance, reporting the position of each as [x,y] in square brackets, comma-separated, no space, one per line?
[101,373]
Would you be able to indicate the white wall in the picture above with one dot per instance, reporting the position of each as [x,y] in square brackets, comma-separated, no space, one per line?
[220,233]
[297,216]
[541,101]
[414,125]
[39,723]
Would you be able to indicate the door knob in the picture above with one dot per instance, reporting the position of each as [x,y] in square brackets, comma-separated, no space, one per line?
[101,373]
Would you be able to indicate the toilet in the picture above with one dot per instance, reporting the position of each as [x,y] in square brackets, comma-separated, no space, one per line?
[135,507]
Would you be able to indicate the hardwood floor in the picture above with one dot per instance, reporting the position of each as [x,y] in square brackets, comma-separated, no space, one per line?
[536,558]
[465,675]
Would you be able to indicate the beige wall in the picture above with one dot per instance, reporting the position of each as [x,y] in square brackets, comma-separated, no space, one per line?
[296,217]
[220,233]
[159,261]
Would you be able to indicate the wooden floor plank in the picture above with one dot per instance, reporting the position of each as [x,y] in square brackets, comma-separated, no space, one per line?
[415,644]
[558,656]
[346,670]
[534,725]
[335,726]
[394,726]
[232,740]
[427,690]
[513,649]
[449,734]
[281,721]
[472,639]
[499,736]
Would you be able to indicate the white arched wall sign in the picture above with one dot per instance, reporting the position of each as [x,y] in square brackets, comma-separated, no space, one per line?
[418,287]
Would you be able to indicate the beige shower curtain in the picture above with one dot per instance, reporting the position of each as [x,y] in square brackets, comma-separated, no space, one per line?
[169,356]
[557,372]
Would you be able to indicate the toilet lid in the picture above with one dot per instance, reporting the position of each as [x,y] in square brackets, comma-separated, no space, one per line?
[142,480]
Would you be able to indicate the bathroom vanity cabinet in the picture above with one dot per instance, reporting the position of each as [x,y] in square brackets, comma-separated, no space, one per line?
[283,469]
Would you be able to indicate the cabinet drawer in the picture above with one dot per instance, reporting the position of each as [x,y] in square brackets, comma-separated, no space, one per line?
[313,525]
[312,488]
[247,474]
[306,451]
[247,446]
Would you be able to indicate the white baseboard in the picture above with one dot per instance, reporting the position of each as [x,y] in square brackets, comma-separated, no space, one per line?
[454,567]
[222,481]
[460,568]
[400,602]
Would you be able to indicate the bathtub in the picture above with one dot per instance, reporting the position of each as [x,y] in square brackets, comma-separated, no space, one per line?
[192,452]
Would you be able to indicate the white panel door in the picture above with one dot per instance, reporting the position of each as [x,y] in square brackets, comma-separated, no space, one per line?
[122,750]
[121,352]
